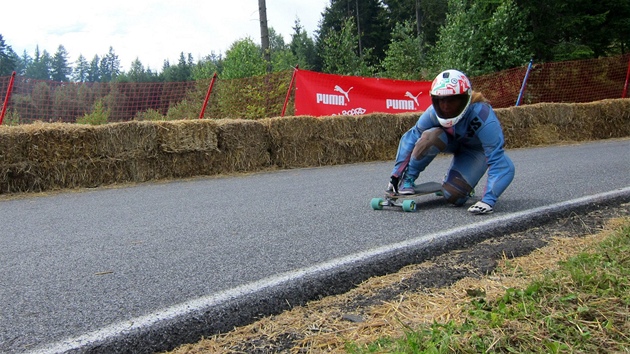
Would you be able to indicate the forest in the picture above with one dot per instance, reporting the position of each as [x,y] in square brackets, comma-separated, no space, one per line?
[397,39]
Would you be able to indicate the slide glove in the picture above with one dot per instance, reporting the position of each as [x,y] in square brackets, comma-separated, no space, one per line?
[480,208]
[393,184]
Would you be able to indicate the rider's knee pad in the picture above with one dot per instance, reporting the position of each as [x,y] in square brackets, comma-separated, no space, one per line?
[455,188]
[430,138]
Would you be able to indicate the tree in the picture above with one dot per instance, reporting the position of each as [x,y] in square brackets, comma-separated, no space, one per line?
[207,66]
[243,59]
[340,52]
[404,58]
[577,29]
[264,33]
[281,56]
[136,72]
[39,68]
[428,16]
[59,68]
[480,38]
[94,72]
[370,26]
[8,57]
[180,72]
[23,62]
[110,66]
[81,69]
[303,47]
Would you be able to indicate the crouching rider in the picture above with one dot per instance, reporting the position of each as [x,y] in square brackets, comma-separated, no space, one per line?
[460,121]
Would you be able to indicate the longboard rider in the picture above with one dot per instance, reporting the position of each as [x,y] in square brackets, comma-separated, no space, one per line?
[460,121]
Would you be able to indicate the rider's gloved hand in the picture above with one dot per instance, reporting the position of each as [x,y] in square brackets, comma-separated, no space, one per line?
[480,208]
[393,184]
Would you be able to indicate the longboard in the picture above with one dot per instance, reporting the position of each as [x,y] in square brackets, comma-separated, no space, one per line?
[406,201]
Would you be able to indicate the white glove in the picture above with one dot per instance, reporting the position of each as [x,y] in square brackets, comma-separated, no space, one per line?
[480,208]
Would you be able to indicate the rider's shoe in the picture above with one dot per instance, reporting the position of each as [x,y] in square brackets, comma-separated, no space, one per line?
[408,187]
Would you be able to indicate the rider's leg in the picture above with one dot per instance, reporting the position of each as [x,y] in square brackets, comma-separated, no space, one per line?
[467,168]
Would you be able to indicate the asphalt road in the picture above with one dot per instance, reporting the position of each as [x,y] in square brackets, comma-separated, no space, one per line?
[146,267]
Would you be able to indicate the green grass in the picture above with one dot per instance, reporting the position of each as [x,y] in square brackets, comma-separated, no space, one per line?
[583,307]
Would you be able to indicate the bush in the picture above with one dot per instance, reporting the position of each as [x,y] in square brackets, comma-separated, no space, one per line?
[99,115]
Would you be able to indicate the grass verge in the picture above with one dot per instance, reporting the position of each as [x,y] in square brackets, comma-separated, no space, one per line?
[578,305]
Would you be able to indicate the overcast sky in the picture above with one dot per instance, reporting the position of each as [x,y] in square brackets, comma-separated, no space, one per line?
[151,30]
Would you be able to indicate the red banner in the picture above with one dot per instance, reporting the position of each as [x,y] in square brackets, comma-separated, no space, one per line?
[318,94]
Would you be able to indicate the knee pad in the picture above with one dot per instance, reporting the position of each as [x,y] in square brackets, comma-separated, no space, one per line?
[455,188]
[430,138]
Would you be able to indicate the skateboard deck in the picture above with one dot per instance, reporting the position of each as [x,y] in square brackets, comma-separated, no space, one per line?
[406,201]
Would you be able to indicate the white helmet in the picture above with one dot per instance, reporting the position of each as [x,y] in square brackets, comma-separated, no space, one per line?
[454,86]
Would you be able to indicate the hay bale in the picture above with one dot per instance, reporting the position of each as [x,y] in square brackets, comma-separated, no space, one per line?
[187,135]
[185,165]
[52,142]
[135,139]
[381,133]
[17,177]
[13,142]
[243,145]
[295,141]
[613,120]
[512,131]
[309,141]
[536,124]
[48,156]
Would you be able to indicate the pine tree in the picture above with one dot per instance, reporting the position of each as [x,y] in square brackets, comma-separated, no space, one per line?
[303,47]
[7,58]
[109,66]
[81,69]
[39,68]
[94,71]
[59,69]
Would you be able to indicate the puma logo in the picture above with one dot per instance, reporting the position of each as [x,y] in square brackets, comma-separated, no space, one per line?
[414,98]
[341,91]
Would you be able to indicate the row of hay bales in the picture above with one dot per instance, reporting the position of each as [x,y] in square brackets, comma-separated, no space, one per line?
[44,157]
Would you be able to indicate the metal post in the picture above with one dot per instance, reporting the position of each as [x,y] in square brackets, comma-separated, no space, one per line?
[205,102]
[5,105]
[520,94]
[625,86]
[286,100]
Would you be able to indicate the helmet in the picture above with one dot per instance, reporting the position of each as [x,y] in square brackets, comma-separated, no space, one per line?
[453,88]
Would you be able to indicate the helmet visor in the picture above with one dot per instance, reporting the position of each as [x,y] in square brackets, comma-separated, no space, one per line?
[448,107]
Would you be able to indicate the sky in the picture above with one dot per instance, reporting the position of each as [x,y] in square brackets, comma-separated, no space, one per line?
[150,30]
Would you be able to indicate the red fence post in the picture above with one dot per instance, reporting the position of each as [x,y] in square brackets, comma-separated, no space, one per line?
[205,102]
[5,105]
[286,100]
[625,86]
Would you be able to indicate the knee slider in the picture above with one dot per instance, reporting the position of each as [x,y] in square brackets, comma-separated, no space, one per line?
[455,188]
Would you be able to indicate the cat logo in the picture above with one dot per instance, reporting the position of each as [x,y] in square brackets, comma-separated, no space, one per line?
[406,105]
[334,100]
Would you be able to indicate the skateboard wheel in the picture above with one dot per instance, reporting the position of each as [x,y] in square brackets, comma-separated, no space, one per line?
[409,205]
[377,203]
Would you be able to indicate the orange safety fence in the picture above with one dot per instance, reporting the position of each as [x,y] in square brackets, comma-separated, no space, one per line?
[273,95]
